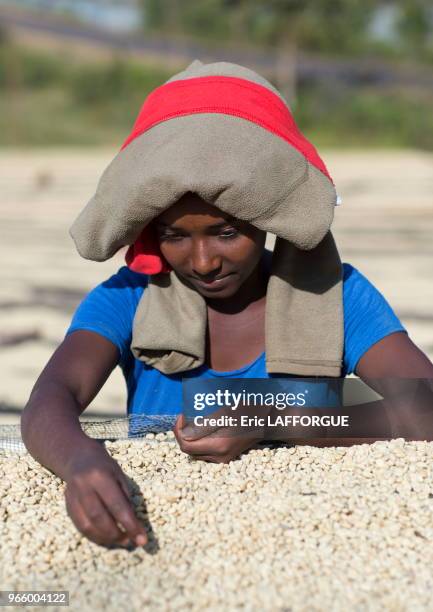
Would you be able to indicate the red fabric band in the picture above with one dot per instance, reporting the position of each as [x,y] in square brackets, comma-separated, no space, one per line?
[228,96]
[212,94]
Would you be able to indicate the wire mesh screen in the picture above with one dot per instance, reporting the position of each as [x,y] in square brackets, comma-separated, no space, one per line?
[133,426]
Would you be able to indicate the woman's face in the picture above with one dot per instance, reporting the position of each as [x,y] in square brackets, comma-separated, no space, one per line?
[213,251]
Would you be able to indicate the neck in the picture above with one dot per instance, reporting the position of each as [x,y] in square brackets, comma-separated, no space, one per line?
[250,293]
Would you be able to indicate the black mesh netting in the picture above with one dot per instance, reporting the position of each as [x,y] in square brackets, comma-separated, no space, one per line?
[134,426]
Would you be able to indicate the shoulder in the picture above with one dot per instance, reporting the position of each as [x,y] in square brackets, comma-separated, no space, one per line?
[121,291]
[352,277]
[109,308]
[361,296]
[356,286]
[124,286]
[126,278]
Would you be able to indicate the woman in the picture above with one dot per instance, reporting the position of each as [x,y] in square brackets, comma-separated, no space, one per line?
[212,266]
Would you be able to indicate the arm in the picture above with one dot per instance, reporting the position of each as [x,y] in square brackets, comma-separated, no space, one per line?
[397,369]
[379,351]
[97,496]
[394,356]
[391,367]
[73,376]
[410,415]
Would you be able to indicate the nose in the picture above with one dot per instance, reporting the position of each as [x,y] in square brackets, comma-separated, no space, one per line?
[204,261]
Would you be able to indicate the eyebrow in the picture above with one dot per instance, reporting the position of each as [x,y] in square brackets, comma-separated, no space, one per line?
[214,226]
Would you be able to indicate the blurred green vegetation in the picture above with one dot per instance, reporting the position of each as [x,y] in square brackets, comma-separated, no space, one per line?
[328,26]
[50,100]
[333,27]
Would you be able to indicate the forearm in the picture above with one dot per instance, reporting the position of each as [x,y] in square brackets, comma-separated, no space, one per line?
[51,429]
[408,404]
[406,411]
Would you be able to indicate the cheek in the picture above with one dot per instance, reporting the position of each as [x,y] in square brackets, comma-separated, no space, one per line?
[249,251]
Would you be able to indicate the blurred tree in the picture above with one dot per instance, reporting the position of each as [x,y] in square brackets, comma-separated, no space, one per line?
[153,14]
[415,24]
[179,18]
[4,35]
[11,81]
[333,26]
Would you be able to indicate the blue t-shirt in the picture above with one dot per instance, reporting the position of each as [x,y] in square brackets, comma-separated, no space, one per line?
[109,310]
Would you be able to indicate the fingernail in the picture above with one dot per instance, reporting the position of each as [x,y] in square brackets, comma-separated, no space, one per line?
[141,540]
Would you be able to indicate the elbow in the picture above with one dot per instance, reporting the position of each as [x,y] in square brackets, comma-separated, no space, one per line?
[27,418]
[25,423]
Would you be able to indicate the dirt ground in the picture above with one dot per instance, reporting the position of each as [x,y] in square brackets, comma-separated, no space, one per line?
[384,228]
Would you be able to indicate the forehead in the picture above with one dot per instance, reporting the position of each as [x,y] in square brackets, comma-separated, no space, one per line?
[192,209]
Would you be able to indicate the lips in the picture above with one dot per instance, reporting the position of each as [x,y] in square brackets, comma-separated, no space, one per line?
[216,282]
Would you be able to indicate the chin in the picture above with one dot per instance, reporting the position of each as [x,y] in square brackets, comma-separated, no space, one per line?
[220,294]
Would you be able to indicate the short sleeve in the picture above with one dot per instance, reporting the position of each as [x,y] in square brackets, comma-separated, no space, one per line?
[368,317]
[109,309]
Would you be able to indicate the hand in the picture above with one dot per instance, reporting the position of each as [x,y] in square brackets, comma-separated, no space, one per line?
[213,444]
[97,500]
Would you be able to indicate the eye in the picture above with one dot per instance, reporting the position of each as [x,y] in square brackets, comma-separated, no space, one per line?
[170,237]
[229,233]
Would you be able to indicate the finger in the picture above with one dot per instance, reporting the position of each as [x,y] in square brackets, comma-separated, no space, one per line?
[98,521]
[179,424]
[196,432]
[209,458]
[85,525]
[192,431]
[126,490]
[124,486]
[205,446]
[120,508]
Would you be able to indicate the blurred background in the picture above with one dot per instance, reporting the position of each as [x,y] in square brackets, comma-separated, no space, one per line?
[357,74]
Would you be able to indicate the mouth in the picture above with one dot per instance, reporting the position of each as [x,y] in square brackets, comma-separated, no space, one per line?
[216,283]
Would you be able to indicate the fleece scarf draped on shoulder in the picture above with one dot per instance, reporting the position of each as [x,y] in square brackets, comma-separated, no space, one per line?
[223,132]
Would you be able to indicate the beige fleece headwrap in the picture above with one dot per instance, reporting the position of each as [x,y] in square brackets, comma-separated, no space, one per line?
[243,154]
